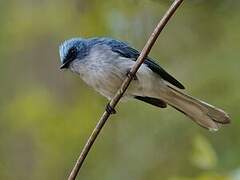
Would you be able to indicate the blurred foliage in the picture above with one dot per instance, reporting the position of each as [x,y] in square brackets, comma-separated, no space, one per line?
[46,114]
[203,155]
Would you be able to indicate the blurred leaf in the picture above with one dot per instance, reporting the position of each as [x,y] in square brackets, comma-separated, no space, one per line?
[203,155]
[204,176]
[212,176]
[235,175]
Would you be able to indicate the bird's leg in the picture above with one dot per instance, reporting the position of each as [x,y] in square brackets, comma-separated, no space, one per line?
[110,109]
[129,74]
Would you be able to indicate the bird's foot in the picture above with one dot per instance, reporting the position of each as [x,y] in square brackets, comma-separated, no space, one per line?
[130,74]
[110,109]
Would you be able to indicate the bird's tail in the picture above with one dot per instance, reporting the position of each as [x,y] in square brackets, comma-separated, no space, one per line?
[200,112]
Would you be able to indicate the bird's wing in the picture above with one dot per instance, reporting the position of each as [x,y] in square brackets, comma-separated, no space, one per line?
[126,51]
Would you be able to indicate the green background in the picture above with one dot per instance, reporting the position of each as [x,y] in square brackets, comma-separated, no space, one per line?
[46,114]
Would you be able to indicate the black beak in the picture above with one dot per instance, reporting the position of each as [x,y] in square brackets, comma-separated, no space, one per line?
[66,64]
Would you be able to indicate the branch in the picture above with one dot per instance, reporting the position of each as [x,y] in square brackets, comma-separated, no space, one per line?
[152,39]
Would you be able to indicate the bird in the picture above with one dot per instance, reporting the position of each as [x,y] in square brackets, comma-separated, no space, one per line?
[103,63]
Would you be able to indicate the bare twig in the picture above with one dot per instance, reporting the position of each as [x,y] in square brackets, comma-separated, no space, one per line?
[152,39]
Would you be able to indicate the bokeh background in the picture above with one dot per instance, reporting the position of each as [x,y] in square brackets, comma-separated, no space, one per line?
[46,114]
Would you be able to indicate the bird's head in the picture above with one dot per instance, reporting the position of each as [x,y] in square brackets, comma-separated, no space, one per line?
[71,50]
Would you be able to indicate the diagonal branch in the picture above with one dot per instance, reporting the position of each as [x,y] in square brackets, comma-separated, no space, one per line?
[152,39]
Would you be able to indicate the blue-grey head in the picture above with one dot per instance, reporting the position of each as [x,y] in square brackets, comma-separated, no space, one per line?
[71,50]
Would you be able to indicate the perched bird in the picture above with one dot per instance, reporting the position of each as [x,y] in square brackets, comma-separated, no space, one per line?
[103,64]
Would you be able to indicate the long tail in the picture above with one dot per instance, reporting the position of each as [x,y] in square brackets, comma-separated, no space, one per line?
[202,113]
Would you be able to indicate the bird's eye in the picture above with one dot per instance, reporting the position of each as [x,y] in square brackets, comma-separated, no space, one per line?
[72,53]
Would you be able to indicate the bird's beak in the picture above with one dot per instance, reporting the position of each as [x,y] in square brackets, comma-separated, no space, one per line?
[64,66]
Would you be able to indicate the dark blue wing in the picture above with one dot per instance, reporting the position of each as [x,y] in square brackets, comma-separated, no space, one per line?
[126,51]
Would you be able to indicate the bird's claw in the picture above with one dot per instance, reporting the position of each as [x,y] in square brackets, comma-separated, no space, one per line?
[110,109]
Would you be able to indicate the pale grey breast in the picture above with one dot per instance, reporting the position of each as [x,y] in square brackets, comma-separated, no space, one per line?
[105,70]
[102,69]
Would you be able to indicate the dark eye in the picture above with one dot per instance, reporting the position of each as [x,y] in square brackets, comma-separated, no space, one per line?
[72,53]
